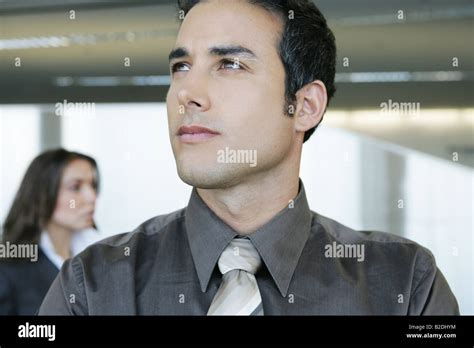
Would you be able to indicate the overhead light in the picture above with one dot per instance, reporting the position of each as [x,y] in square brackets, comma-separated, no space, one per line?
[34,42]
[409,17]
[404,76]
[112,81]
[81,39]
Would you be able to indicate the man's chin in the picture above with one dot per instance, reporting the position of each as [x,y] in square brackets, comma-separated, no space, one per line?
[202,181]
[212,178]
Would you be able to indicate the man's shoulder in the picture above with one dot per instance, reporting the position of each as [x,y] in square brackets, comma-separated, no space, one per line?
[147,232]
[384,244]
[387,261]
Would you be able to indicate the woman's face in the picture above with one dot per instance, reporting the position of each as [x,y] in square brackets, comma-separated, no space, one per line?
[77,195]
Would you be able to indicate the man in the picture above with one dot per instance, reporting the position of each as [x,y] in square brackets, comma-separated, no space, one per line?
[251,80]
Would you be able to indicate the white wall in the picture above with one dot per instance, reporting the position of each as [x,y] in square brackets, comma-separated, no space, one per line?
[19,144]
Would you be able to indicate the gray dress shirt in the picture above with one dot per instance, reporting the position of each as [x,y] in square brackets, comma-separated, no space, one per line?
[312,265]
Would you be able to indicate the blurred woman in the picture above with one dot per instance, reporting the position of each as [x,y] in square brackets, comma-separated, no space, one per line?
[53,208]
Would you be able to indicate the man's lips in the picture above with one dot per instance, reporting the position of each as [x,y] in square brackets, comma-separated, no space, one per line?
[195,134]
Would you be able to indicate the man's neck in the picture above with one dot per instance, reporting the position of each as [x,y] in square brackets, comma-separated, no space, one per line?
[251,204]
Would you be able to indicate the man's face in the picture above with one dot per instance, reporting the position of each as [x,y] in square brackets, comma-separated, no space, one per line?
[227,77]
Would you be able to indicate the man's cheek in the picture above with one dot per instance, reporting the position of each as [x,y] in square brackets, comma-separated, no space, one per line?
[242,138]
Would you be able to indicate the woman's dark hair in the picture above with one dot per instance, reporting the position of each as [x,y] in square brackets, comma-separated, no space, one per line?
[307,47]
[34,203]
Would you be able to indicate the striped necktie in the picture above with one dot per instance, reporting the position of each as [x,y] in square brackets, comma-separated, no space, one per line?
[238,293]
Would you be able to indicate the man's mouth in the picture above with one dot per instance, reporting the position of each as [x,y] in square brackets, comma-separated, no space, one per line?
[195,134]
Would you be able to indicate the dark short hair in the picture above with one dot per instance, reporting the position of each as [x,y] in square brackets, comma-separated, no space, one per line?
[307,47]
[34,203]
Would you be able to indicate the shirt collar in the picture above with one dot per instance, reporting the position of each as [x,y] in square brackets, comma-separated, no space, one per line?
[279,242]
[47,247]
[80,240]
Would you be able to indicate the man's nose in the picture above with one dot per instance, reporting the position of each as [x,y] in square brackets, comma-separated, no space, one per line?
[193,93]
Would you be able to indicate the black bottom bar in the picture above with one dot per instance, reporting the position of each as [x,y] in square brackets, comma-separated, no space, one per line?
[433,330]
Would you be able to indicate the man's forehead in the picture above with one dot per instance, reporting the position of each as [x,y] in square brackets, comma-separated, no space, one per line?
[207,26]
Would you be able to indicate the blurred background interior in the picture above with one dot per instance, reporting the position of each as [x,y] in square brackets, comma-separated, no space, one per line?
[395,151]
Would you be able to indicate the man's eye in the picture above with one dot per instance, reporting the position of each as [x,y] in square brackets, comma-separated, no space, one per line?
[178,67]
[231,64]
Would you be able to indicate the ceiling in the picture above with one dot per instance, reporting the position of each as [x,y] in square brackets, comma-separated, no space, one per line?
[83,58]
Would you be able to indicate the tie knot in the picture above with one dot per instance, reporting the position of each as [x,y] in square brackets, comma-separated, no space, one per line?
[240,254]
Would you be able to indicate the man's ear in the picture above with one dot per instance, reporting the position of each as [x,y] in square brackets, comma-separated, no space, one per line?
[311,101]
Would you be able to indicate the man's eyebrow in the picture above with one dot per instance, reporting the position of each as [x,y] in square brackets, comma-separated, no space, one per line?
[179,52]
[235,50]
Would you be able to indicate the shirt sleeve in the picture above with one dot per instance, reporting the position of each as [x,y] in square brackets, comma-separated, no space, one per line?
[432,294]
[66,296]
